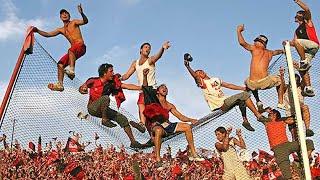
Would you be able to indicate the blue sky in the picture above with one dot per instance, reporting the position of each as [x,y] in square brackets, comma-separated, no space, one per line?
[116,29]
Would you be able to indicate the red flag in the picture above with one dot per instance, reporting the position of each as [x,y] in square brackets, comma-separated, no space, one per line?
[32,146]
[119,96]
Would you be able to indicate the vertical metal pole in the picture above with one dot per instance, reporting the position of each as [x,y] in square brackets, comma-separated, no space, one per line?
[300,124]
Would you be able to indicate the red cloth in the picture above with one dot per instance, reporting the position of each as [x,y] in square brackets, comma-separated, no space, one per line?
[29,41]
[176,170]
[32,146]
[119,96]
[312,34]
[315,172]
[155,109]
[141,98]
[78,49]
[53,156]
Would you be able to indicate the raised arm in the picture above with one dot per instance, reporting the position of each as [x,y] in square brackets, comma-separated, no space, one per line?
[233,86]
[156,57]
[192,73]
[241,39]
[47,34]
[84,19]
[305,8]
[130,71]
[240,141]
[180,116]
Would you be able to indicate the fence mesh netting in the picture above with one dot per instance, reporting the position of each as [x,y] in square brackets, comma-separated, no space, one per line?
[35,111]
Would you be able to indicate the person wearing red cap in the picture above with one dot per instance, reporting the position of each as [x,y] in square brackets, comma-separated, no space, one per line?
[71,30]
[259,78]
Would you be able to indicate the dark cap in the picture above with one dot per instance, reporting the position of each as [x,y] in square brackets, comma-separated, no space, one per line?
[64,11]
[262,38]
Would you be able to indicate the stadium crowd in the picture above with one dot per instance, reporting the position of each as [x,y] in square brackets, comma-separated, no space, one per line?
[57,161]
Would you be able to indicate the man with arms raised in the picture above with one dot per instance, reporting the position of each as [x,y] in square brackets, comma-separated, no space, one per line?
[144,62]
[259,78]
[71,30]
[306,43]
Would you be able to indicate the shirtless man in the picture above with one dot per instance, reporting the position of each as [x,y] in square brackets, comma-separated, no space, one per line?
[259,78]
[144,62]
[306,43]
[71,30]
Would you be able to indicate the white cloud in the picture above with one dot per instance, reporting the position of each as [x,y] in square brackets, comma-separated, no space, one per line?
[12,25]
[3,88]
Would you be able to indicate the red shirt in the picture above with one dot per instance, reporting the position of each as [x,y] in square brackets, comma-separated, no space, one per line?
[96,88]
[276,132]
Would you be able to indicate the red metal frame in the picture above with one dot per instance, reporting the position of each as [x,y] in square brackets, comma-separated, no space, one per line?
[11,84]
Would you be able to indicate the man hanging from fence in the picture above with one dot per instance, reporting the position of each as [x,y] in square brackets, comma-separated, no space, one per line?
[71,30]
[259,78]
[289,105]
[279,143]
[100,89]
[157,119]
[306,43]
[216,99]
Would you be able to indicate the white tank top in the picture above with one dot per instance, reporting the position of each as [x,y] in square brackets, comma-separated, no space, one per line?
[151,77]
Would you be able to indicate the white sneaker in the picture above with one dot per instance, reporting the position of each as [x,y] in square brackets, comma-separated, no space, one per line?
[281,106]
[308,91]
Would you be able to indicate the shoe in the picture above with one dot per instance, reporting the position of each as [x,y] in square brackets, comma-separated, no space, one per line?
[281,106]
[309,133]
[56,86]
[70,73]
[308,91]
[304,65]
[159,166]
[108,123]
[136,145]
[196,158]
[260,107]
[139,126]
[247,125]
[263,119]
[148,144]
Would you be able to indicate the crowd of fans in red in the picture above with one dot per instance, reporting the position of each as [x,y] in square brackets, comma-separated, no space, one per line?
[56,162]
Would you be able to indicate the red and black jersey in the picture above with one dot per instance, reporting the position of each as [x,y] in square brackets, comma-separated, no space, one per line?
[304,31]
